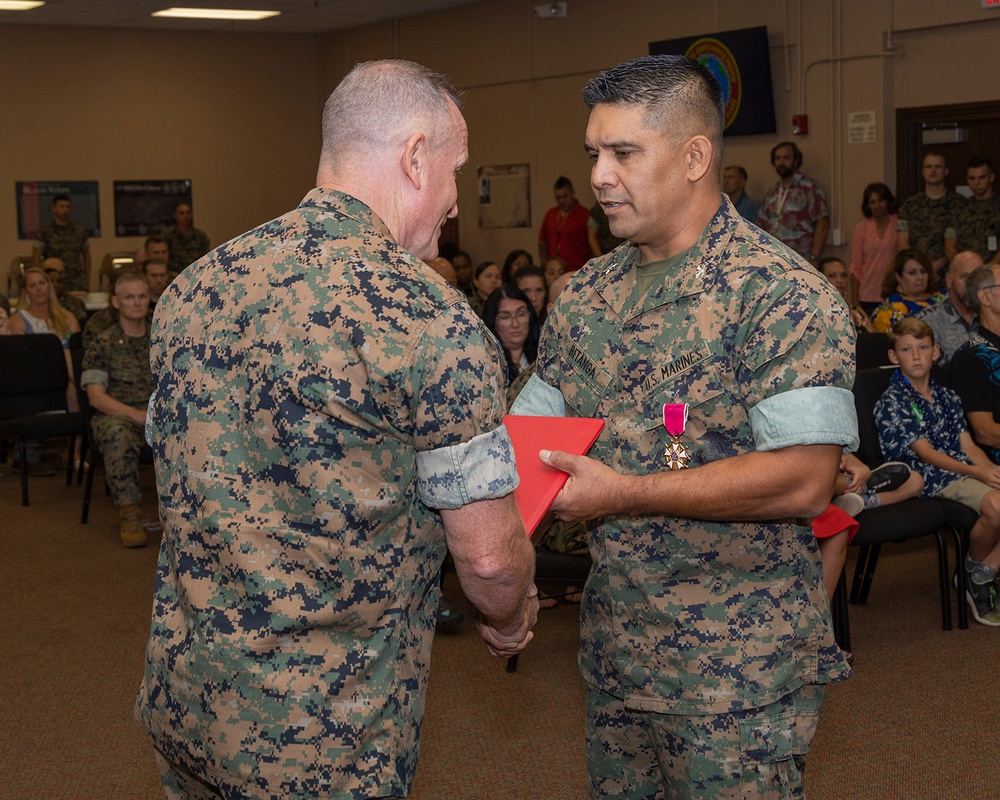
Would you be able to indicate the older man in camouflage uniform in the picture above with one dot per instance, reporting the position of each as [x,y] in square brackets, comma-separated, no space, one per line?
[327,418]
[118,381]
[709,347]
[66,240]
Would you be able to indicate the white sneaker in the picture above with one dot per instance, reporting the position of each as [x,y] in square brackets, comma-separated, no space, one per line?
[850,502]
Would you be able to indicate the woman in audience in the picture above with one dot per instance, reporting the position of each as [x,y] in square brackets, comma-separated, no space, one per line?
[553,268]
[514,261]
[511,317]
[4,321]
[873,246]
[835,271]
[38,310]
[909,286]
[487,280]
[531,281]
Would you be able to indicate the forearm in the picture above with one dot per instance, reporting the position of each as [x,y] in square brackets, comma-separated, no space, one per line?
[495,561]
[985,429]
[101,401]
[792,482]
[938,459]
[543,252]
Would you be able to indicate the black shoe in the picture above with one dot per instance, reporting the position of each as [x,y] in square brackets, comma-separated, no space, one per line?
[887,477]
[449,617]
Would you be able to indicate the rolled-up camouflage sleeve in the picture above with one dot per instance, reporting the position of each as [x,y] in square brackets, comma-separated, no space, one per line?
[464,453]
[797,362]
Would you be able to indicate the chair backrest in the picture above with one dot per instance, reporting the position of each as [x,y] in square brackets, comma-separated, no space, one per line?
[872,350]
[869,386]
[33,376]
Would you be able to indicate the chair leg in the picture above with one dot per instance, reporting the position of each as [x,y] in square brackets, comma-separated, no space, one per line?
[69,460]
[943,581]
[512,663]
[958,535]
[83,458]
[859,574]
[841,615]
[866,584]
[24,472]
[87,489]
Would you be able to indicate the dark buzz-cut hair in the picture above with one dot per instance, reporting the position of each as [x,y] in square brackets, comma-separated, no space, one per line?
[59,197]
[909,326]
[980,278]
[739,169]
[562,182]
[154,240]
[671,88]
[378,100]
[980,161]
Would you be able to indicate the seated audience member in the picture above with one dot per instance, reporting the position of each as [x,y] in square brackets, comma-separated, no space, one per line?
[975,367]
[531,281]
[486,281]
[873,246]
[553,268]
[511,317]
[835,271]
[56,271]
[154,270]
[920,423]
[119,381]
[155,247]
[462,262]
[514,261]
[442,266]
[39,310]
[908,287]
[101,320]
[952,319]
[4,320]
[858,488]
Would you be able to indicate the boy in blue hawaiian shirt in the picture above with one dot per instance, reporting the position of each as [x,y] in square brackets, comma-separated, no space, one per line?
[921,424]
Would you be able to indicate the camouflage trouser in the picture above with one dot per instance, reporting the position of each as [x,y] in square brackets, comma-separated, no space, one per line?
[179,784]
[751,755]
[120,441]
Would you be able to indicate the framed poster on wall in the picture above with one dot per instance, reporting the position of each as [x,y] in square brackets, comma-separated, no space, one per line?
[34,205]
[145,207]
[505,196]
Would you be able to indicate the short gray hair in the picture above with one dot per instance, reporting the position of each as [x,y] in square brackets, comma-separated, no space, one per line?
[981,278]
[377,102]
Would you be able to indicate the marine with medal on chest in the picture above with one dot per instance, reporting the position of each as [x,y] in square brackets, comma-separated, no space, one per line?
[717,358]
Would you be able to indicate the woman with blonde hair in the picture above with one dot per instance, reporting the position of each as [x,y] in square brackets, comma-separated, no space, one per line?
[39,311]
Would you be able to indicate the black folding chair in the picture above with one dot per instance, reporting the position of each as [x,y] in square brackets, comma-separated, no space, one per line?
[33,382]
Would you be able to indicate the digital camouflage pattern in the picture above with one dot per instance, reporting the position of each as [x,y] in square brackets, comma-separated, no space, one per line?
[120,364]
[67,243]
[185,248]
[98,323]
[688,616]
[978,226]
[749,755]
[925,221]
[791,216]
[308,374]
[75,306]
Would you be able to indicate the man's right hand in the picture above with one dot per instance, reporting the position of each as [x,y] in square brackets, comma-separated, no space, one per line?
[504,643]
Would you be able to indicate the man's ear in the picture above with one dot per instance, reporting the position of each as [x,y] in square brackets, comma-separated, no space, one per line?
[114,301]
[936,353]
[699,157]
[414,159]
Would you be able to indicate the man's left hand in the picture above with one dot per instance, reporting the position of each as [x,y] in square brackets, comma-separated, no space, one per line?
[592,490]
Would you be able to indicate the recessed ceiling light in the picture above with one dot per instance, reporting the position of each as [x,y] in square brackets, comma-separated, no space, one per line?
[215,13]
[19,5]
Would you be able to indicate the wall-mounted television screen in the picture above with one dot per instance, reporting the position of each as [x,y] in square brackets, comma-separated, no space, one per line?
[741,61]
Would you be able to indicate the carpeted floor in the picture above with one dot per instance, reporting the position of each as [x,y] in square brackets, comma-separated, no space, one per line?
[917,721]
